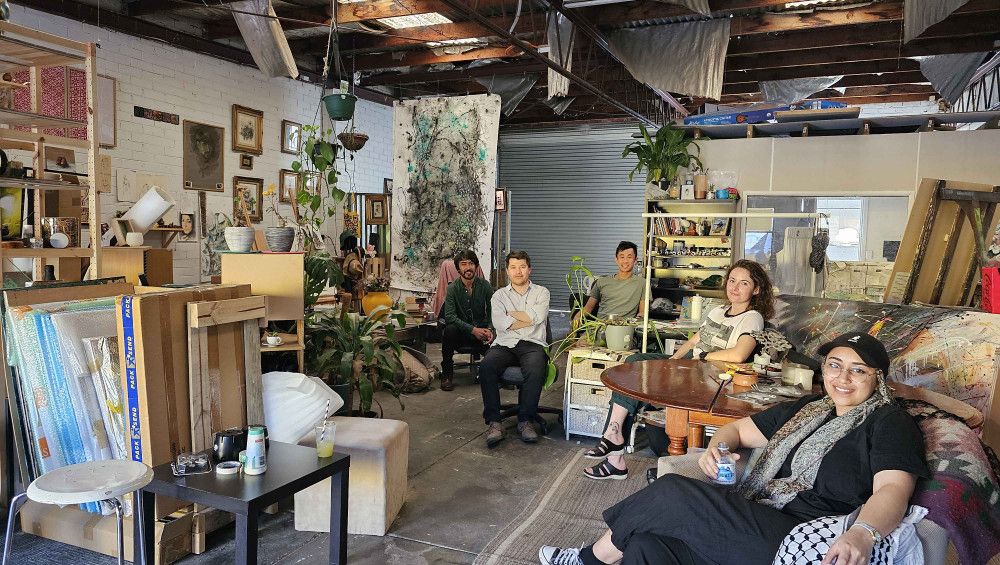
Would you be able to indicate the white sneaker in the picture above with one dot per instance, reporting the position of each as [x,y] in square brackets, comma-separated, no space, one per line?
[549,555]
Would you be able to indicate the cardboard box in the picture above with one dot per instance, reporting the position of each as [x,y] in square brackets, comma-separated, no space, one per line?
[203,522]
[278,276]
[100,533]
[152,329]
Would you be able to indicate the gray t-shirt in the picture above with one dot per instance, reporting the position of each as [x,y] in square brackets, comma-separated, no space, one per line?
[618,297]
[721,331]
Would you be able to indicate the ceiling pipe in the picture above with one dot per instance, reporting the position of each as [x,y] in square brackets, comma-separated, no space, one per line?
[530,50]
[583,25]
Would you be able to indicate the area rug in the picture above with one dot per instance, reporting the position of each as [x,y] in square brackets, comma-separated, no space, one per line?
[566,512]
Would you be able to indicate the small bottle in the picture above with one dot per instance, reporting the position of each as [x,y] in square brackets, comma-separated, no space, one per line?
[697,304]
[727,467]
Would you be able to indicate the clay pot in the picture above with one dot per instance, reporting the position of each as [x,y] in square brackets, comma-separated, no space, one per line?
[280,239]
[239,239]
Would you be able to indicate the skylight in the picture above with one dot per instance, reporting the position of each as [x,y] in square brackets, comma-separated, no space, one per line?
[465,41]
[417,20]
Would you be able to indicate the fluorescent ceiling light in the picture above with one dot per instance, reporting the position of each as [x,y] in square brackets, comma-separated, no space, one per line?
[418,20]
[465,41]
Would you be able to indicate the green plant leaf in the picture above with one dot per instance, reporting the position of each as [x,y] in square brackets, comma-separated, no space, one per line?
[296,166]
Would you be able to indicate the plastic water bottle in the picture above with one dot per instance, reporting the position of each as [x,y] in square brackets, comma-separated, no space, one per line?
[727,467]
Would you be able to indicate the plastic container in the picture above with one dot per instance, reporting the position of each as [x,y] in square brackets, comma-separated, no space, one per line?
[256,452]
[326,431]
[726,467]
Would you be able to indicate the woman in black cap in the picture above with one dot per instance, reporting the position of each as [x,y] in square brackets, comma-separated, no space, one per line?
[824,455]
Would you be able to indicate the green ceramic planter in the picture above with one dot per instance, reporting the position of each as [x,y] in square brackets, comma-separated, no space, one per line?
[340,106]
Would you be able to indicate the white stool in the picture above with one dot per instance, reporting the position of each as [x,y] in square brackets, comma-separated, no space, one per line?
[93,481]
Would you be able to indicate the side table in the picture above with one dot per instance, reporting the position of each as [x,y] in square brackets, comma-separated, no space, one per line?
[585,402]
[290,468]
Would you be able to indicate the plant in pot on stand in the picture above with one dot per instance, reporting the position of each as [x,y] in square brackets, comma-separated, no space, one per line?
[240,236]
[282,237]
[661,155]
[376,295]
[361,351]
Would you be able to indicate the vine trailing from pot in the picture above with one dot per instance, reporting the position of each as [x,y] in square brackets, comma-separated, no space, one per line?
[662,154]
[318,196]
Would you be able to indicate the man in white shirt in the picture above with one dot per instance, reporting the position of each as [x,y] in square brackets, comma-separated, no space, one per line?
[520,312]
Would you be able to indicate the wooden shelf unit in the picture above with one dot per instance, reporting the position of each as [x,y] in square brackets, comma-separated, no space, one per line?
[26,48]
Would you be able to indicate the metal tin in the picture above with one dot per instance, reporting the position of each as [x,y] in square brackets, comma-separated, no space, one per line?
[256,452]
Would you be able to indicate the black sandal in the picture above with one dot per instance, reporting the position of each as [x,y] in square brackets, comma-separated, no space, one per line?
[605,470]
[605,448]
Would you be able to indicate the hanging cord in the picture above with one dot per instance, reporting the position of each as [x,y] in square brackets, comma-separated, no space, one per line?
[517,16]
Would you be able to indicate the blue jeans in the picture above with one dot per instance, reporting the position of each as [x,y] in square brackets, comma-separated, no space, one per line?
[633,405]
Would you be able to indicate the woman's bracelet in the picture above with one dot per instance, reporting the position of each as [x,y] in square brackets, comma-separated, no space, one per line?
[876,535]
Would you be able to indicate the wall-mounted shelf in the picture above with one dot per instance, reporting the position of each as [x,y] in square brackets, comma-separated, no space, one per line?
[46,184]
[30,119]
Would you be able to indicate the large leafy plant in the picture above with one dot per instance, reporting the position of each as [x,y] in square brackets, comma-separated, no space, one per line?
[318,196]
[362,351]
[661,155]
[321,271]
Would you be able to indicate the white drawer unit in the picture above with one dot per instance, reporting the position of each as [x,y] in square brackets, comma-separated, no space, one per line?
[586,399]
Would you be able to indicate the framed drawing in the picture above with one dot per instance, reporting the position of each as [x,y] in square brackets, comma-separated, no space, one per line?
[720,226]
[312,181]
[188,232]
[248,130]
[203,163]
[246,162]
[387,186]
[501,200]
[291,137]
[376,211]
[251,191]
[289,185]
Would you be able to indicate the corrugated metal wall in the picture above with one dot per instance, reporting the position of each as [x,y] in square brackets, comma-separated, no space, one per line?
[570,195]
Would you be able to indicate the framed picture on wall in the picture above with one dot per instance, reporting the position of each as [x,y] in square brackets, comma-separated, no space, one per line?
[291,137]
[107,103]
[501,199]
[203,162]
[311,181]
[376,210]
[387,186]
[288,182]
[250,191]
[248,130]
[246,162]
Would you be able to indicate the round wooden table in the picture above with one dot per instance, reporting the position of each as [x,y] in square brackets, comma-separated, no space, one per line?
[687,388]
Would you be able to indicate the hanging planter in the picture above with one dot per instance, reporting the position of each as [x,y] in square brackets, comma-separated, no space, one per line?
[340,105]
[352,141]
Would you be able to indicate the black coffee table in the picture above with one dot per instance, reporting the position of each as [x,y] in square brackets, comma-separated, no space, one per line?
[290,468]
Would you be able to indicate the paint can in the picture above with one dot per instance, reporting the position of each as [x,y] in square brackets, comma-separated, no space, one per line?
[256,452]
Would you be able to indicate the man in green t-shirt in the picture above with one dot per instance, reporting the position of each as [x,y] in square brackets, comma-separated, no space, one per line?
[619,295]
[467,314]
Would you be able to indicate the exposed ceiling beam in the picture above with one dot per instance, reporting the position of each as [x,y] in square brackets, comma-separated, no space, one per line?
[146,7]
[859,53]
[616,15]
[905,77]
[413,58]
[890,32]
[304,17]
[828,69]
[387,79]
[377,9]
[772,22]
[360,43]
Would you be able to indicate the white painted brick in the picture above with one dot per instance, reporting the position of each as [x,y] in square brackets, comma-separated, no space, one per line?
[156,75]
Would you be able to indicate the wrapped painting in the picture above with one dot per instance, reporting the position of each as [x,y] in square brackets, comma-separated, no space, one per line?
[444,174]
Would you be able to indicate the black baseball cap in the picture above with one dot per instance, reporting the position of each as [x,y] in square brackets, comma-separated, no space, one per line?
[870,349]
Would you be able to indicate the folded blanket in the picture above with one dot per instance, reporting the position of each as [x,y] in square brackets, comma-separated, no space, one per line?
[963,494]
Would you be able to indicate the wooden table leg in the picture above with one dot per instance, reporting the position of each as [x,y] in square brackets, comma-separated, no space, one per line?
[246,538]
[338,517]
[143,521]
[677,430]
[696,433]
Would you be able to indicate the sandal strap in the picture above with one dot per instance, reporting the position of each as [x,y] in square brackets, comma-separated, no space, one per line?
[603,469]
[604,447]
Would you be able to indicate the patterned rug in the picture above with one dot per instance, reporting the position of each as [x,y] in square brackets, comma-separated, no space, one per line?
[566,512]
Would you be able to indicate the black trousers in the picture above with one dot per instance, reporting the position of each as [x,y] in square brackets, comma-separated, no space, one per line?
[707,523]
[533,361]
[452,338]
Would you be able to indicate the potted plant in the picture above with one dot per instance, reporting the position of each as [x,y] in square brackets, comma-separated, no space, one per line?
[279,238]
[661,155]
[360,352]
[318,196]
[321,272]
[352,140]
[618,333]
[340,105]
[240,236]
[376,295]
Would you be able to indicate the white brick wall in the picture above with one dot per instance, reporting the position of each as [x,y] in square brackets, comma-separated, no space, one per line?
[200,88]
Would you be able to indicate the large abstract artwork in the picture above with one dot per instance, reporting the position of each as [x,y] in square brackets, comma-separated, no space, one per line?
[947,350]
[444,171]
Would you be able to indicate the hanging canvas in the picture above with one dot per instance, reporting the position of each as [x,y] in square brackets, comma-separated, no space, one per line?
[444,170]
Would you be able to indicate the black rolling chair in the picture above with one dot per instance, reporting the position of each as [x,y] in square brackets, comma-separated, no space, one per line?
[513,376]
[475,352]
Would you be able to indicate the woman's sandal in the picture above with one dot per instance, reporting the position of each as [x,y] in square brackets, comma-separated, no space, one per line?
[605,470]
[605,448]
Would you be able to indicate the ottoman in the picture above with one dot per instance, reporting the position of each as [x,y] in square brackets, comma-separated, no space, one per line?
[379,451]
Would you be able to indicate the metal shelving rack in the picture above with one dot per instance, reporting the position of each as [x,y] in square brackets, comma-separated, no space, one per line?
[25,48]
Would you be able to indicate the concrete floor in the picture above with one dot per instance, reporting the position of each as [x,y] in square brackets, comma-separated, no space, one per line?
[460,493]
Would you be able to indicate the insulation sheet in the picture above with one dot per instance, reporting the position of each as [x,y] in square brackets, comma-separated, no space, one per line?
[950,74]
[793,90]
[918,15]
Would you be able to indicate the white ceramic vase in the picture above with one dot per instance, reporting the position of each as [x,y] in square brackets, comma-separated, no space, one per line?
[239,239]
